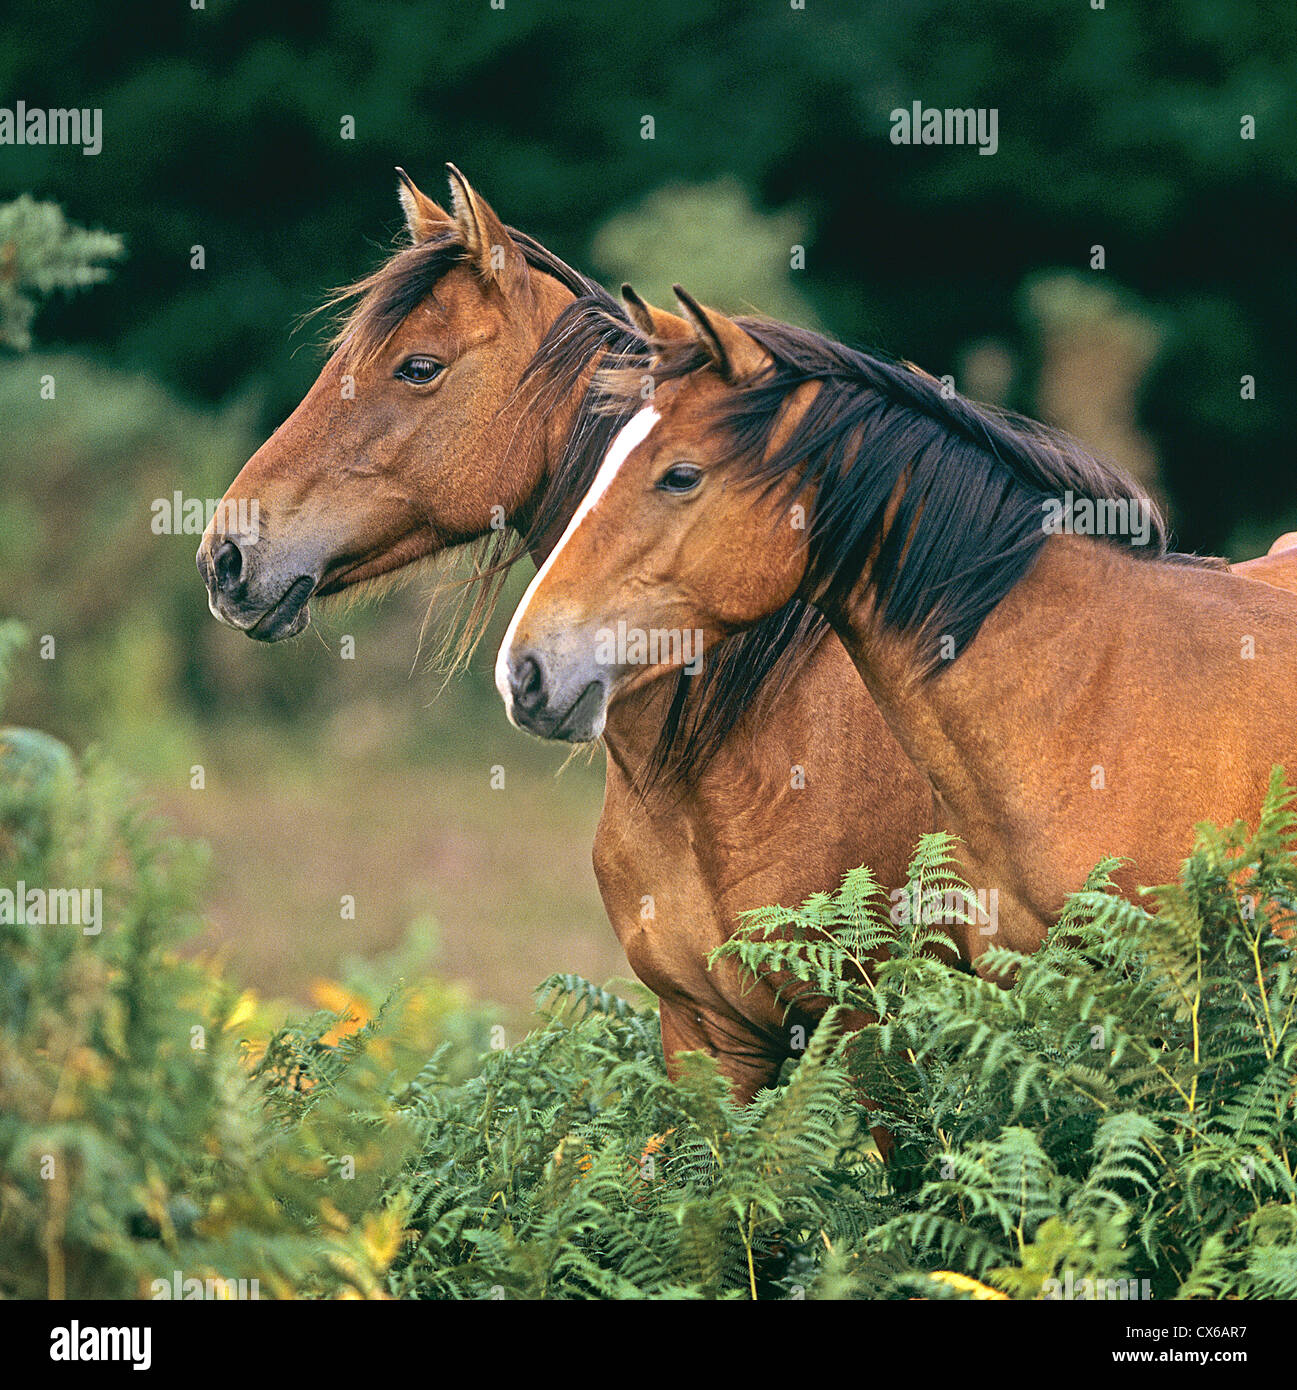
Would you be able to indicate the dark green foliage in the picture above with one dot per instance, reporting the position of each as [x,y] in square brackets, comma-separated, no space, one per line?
[134,1146]
[571,1167]
[40,252]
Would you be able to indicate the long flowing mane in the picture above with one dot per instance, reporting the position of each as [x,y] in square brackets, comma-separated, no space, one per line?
[592,331]
[949,497]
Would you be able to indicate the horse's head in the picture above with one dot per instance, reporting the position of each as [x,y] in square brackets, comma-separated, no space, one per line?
[660,557]
[407,442]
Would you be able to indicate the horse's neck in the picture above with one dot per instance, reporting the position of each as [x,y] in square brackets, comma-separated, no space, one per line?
[976,728]
[635,721]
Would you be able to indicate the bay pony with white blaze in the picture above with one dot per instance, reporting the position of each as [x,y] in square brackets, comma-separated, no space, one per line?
[1066,697]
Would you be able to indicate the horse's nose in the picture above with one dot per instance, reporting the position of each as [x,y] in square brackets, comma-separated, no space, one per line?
[527,684]
[227,570]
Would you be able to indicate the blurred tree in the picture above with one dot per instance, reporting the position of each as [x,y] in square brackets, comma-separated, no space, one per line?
[40,252]
[1093,347]
[711,237]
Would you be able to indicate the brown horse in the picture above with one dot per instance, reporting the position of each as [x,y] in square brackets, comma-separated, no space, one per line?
[1067,686]
[456,398]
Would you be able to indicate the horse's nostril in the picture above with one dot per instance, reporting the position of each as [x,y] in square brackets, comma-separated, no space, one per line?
[227,563]
[528,685]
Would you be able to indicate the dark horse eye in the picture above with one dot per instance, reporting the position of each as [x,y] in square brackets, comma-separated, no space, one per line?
[419,370]
[681,477]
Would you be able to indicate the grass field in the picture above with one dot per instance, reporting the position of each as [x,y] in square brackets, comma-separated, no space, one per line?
[389,801]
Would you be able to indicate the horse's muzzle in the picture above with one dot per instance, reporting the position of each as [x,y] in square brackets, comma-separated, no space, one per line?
[551,704]
[232,600]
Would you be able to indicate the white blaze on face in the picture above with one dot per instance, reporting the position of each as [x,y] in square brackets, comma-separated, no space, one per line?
[631,434]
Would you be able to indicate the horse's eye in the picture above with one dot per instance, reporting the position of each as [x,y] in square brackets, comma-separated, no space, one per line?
[419,370]
[680,477]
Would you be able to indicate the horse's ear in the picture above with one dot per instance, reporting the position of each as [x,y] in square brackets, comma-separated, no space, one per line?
[654,323]
[423,217]
[734,353]
[492,252]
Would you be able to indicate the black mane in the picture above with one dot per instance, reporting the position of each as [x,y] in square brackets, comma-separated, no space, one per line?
[970,483]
